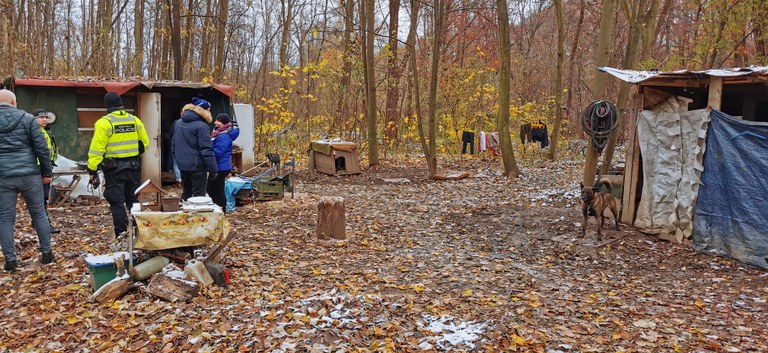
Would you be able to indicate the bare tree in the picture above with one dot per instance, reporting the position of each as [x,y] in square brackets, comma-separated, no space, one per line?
[559,79]
[437,40]
[393,77]
[370,86]
[502,120]
[603,53]
[221,31]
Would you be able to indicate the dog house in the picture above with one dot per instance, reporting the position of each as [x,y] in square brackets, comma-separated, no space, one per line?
[334,157]
[79,102]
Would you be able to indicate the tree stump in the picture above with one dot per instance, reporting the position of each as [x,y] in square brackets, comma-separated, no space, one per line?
[330,218]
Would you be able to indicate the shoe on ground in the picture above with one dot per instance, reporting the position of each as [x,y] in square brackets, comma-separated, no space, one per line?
[55,230]
[47,258]
[10,266]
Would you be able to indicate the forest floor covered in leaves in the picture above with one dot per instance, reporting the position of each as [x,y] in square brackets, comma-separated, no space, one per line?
[480,264]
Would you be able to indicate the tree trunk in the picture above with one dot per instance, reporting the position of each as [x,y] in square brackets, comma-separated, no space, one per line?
[555,140]
[218,66]
[138,35]
[603,53]
[343,107]
[641,19]
[572,64]
[286,16]
[393,77]
[416,98]
[439,6]
[205,50]
[370,86]
[331,218]
[188,38]
[175,21]
[502,120]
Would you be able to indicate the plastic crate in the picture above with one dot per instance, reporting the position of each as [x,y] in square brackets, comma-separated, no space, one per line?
[268,189]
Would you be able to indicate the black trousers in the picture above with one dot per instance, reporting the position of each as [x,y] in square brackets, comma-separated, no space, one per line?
[47,196]
[468,138]
[216,190]
[119,189]
[193,184]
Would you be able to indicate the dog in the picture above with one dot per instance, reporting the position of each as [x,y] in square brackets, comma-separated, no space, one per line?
[595,203]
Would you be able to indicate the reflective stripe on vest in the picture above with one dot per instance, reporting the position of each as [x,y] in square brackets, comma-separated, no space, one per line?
[123,139]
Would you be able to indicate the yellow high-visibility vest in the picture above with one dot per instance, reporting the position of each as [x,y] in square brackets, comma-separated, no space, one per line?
[51,146]
[116,135]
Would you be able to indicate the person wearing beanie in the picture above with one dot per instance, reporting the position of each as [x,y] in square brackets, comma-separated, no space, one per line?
[119,139]
[26,163]
[221,138]
[41,116]
[192,150]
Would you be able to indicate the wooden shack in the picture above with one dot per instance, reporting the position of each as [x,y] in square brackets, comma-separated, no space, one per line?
[334,157]
[738,92]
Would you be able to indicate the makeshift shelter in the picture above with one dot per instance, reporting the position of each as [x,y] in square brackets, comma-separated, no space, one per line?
[334,157]
[79,102]
[697,159]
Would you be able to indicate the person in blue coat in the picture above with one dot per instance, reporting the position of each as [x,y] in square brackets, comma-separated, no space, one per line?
[222,136]
[191,148]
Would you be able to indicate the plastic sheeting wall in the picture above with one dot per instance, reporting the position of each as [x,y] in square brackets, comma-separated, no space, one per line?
[731,215]
[672,142]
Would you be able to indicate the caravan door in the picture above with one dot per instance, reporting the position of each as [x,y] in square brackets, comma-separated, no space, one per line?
[148,110]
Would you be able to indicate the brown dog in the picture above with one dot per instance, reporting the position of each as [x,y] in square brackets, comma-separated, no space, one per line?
[594,204]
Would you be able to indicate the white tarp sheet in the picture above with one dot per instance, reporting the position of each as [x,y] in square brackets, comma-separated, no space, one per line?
[672,143]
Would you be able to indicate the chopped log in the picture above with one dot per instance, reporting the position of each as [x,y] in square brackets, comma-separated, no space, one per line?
[451,175]
[213,255]
[114,289]
[172,289]
[330,218]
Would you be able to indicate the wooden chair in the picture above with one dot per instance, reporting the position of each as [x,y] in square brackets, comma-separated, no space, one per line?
[63,192]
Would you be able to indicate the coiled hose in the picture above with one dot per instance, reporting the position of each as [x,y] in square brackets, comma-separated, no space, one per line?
[599,120]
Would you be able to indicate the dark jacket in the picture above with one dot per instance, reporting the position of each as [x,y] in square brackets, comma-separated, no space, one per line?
[22,144]
[191,146]
[222,147]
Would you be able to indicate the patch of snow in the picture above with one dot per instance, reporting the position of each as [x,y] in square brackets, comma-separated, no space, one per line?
[454,333]
[105,259]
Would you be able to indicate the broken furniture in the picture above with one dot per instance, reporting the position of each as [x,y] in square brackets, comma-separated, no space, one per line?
[62,194]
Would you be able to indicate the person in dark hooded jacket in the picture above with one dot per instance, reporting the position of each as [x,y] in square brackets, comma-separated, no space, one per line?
[23,145]
[222,136]
[192,149]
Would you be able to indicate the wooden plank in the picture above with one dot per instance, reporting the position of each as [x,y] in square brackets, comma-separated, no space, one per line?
[632,171]
[715,92]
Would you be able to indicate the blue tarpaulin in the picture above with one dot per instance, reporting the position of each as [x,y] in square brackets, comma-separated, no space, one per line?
[731,216]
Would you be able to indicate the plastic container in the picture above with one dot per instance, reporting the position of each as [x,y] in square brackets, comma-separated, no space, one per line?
[103,269]
[148,268]
[196,269]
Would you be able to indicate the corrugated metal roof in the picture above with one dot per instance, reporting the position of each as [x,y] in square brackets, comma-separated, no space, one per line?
[633,76]
[120,85]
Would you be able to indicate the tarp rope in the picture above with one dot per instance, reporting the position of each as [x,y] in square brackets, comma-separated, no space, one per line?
[599,120]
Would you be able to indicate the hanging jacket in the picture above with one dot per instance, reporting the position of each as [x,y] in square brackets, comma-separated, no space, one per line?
[23,144]
[191,147]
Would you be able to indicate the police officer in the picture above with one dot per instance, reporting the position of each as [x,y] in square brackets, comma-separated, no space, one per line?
[119,138]
[41,115]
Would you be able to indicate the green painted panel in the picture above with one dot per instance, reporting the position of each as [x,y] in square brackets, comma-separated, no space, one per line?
[62,101]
